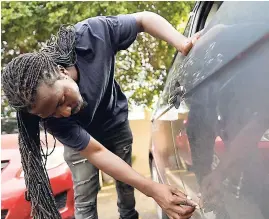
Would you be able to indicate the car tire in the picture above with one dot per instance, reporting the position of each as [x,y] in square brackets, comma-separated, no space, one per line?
[155,178]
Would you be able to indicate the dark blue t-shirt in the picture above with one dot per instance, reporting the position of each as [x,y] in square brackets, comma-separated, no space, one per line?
[98,40]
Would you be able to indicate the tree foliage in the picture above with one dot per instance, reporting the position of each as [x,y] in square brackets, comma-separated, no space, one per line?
[141,70]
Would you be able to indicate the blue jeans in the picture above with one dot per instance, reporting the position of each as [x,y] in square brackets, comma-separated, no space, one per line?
[86,176]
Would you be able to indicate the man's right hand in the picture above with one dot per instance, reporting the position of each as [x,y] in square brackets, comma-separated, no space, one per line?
[175,204]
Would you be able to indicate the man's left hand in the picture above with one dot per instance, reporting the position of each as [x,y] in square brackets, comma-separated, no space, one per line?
[186,46]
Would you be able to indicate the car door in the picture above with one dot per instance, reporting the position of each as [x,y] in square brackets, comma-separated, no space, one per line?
[204,14]
[166,116]
[220,97]
[162,141]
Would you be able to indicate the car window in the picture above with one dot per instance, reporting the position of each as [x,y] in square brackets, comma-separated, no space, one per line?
[201,63]
[212,12]
[163,100]
[172,79]
[176,72]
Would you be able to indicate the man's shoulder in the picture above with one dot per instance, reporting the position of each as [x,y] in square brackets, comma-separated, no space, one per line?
[95,23]
[90,23]
[91,31]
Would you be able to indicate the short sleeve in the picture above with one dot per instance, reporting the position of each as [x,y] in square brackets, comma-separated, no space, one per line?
[123,29]
[117,31]
[68,132]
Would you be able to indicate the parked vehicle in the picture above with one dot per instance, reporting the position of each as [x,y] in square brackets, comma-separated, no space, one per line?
[13,203]
[210,131]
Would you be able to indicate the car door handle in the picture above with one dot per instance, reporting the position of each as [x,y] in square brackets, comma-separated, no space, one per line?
[175,101]
[176,96]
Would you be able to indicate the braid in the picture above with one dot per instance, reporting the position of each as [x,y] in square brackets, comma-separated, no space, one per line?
[22,76]
[61,47]
[36,178]
[20,80]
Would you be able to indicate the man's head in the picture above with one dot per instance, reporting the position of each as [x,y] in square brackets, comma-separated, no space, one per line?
[37,86]
[33,82]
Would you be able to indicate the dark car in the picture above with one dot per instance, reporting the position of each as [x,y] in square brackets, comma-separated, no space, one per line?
[210,131]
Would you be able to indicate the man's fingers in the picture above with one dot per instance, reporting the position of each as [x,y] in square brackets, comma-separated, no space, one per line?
[189,43]
[198,34]
[183,200]
[186,216]
[187,47]
[172,215]
[194,40]
[180,212]
[175,191]
[180,194]
[184,210]
[195,37]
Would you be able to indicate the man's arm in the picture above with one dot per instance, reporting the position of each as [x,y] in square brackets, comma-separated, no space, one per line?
[95,152]
[158,27]
[167,197]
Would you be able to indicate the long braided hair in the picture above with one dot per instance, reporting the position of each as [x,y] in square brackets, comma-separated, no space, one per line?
[20,80]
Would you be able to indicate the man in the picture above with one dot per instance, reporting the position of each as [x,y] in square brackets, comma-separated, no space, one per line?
[70,85]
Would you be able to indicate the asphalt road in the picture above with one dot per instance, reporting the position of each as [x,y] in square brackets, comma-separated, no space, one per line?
[107,204]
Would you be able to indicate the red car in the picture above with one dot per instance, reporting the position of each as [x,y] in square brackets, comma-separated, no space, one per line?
[13,203]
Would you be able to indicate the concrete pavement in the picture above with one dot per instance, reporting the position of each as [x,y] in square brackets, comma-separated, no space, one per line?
[107,204]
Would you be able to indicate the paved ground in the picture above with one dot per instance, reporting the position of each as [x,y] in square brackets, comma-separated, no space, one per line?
[107,204]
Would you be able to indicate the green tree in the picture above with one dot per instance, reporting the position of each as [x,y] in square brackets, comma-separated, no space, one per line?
[141,70]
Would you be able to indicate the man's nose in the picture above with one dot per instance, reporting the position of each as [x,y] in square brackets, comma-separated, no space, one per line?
[65,111]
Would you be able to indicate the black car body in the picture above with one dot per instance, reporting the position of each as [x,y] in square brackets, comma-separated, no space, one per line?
[210,131]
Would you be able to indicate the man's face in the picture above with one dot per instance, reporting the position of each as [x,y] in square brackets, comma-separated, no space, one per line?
[62,99]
